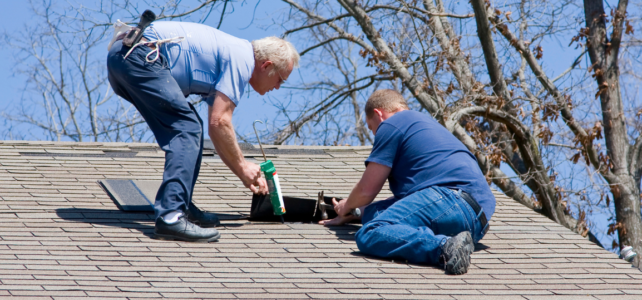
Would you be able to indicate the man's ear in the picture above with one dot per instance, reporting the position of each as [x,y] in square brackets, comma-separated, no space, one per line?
[379,113]
[266,64]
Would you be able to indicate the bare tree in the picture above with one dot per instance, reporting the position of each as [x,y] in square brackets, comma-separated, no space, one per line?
[399,67]
[513,117]
[341,96]
[617,167]
[621,167]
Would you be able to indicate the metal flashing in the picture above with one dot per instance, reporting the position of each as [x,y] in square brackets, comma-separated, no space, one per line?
[131,195]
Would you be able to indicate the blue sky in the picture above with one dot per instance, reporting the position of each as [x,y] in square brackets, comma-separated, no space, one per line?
[239,23]
[12,16]
[253,106]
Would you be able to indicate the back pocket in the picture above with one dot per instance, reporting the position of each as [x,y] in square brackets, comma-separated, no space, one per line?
[451,222]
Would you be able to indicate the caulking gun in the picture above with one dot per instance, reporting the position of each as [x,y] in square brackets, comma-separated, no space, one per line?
[274,188]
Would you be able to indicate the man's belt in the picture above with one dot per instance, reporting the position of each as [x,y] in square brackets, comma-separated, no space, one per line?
[142,40]
[482,218]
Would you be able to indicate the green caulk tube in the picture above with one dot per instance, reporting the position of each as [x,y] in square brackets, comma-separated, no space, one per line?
[274,187]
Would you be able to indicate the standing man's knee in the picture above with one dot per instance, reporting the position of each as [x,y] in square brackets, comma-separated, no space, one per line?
[188,141]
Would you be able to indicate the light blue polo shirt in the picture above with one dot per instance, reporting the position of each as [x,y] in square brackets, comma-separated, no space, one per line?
[207,60]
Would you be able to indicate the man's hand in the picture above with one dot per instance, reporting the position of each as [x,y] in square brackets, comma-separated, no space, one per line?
[340,207]
[251,177]
[340,220]
[365,191]
[342,211]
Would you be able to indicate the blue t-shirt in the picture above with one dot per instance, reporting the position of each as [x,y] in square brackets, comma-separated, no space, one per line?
[422,153]
[207,60]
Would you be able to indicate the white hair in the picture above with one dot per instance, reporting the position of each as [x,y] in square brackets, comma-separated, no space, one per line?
[279,51]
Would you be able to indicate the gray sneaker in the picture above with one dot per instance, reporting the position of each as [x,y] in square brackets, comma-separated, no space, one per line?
[456,253]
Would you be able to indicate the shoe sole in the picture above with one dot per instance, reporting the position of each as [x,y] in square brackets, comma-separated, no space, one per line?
[168,237]
[458,264]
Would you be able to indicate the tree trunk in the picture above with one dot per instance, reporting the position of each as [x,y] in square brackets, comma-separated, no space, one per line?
[536,176]
[604,59]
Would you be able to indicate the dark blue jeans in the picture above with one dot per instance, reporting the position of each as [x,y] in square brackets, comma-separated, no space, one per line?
[415,227]
[175,123]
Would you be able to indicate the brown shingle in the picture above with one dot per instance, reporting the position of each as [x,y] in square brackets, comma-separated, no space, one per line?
[63,237]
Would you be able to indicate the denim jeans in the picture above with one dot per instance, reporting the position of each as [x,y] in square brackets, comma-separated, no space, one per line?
[415,227]
[175,123]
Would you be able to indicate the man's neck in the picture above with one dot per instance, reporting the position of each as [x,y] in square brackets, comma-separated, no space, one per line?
[386,115]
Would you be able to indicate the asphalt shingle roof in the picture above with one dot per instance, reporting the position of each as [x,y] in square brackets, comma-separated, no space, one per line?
[62,237]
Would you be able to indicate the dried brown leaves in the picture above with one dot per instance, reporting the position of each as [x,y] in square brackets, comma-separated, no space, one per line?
[616,226]
[374,59]
[583,142]
[583,34]
[629,28]
[539,52]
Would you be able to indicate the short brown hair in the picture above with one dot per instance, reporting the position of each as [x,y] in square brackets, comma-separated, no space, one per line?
[388,100]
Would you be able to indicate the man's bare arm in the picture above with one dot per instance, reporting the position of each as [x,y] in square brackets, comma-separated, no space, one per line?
[221,131]
[373,179]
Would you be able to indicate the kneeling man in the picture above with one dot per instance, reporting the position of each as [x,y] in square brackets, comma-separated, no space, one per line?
[442,202]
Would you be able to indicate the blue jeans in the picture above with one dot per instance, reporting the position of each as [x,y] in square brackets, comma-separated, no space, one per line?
[417,226]
[175,123]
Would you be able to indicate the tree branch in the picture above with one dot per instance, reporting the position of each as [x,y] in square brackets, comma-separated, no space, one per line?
[339,30]
[389,57]
[565,110]
[488,46]
[426,12]
[327,41]
[376,7]
[514,125]
[460,68]
[296,125]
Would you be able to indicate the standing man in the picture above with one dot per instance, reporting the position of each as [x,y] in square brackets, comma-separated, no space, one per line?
[441,204]
[195,59]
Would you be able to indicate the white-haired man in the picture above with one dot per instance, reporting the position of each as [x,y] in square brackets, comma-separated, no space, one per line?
[195,59]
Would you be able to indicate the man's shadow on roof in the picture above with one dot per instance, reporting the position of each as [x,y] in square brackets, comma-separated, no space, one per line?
[141,221]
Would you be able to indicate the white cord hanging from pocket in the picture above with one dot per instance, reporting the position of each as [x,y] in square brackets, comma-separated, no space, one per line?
[157,43]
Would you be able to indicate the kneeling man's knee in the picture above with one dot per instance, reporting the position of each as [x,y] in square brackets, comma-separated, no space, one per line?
[367,237]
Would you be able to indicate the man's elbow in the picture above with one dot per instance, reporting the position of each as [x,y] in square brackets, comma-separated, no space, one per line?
[219,122]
